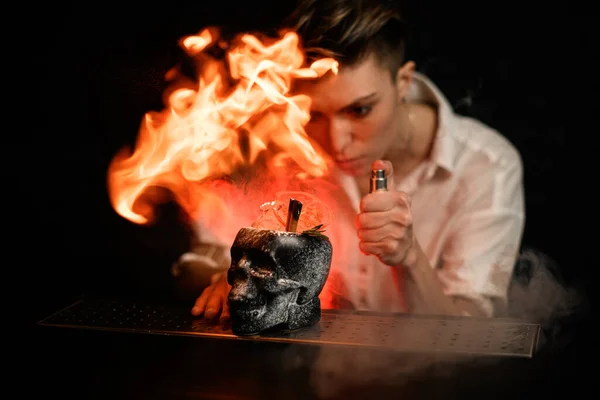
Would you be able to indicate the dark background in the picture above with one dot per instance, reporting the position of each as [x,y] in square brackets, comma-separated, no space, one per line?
[526,69]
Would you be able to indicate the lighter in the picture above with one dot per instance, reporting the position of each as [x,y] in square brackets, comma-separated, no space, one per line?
[378,181]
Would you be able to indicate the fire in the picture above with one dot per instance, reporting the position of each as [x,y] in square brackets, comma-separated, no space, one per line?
[213,136]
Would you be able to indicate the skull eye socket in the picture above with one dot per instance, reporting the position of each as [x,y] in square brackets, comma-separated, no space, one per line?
[262,273]
[251,262]
[235,274]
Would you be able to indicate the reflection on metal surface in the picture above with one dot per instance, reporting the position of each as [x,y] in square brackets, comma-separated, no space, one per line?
[498,337]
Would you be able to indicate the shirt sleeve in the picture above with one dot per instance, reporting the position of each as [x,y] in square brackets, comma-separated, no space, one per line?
[479,256]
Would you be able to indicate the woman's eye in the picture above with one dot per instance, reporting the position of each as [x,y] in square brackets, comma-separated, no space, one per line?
[361,111]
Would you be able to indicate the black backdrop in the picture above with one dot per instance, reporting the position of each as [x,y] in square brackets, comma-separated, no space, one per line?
[525,69]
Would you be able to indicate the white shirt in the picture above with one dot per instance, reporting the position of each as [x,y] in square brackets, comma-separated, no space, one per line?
[468,216]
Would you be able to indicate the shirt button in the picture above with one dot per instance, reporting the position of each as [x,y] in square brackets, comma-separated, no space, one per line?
[362,297]
[363,269]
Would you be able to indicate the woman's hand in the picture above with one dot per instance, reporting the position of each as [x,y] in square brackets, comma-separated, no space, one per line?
[212,302]
[385,225]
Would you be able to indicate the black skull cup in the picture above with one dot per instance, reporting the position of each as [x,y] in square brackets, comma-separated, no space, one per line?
[276,278]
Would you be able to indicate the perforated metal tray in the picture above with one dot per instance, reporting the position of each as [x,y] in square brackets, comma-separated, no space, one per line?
[401,332]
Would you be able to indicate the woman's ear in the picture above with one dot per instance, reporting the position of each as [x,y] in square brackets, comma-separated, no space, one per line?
[404,77]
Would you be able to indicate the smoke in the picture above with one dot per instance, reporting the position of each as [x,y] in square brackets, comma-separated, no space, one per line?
[336,372]
[537,294]
[466,102]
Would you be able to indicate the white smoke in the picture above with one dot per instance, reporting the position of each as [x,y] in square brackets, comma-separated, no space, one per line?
[537,295]
[538,292]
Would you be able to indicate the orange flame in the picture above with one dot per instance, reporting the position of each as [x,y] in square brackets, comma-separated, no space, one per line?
[241,109]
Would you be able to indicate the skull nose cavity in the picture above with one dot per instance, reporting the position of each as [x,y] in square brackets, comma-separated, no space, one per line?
[244,290]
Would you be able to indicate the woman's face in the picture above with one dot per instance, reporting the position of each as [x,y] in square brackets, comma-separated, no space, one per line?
[354,114]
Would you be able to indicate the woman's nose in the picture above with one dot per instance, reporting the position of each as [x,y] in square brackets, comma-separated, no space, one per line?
[339,134]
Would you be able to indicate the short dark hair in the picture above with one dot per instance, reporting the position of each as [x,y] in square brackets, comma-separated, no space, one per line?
[351,30]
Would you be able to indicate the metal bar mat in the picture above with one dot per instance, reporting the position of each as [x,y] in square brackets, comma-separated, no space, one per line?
[402,332]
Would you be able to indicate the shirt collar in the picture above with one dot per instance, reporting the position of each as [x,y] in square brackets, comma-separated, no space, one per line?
[443,152]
